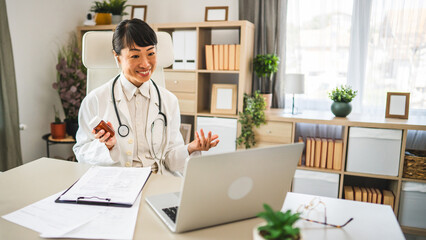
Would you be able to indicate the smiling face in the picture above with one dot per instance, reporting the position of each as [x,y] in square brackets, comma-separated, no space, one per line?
[137,63]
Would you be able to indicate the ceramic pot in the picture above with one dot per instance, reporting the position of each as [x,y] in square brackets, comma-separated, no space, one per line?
[116,19]
[58,130]
[103,18]
[268,100]
[341,109]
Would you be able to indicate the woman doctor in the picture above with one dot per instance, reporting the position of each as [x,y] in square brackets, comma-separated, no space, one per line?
[144,116]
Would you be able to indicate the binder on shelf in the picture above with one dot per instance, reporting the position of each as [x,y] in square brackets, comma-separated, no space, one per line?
[338,151]
[308,152]
[369,195]
[349,192]
[105,186]
[237,57]
[226,57]
[358,193]
[317,152]
[190,50]
[312,163]
[209,57]
[179,49]
[232,57]
[373,196]
[388,198]
[330,153]
[300,160]
[323,162]
[364,194]
[379,196]
[216,57]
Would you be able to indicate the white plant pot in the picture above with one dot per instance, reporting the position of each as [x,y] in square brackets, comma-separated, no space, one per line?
[116,19]
[256,234]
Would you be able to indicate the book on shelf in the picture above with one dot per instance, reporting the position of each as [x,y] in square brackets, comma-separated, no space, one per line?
[358,193]
[373,195]
[237,57]
[338,152]
[221,56]
[232,57]
[216,57]
[226,57]
[317,152]
[388,198]
[300,160]
[312,162]
[323,162]
[379,196]
[364,194]
[349,192]
[308,152]
[209,57]
[330,153]
[369,195]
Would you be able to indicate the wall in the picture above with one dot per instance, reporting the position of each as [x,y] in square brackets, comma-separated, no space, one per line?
[40,28]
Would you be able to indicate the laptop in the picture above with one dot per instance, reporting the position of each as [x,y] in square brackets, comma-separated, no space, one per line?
[228,187]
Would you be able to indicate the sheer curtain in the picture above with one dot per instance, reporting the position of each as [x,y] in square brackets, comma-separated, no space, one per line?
[376,46]
[10,146]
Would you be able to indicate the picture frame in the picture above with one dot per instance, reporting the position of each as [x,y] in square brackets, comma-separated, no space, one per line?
[139,11]
[219,13]
[397,105]
[224,99]
[185,130]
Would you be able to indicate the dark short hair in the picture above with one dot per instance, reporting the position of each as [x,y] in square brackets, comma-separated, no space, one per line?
[131,32]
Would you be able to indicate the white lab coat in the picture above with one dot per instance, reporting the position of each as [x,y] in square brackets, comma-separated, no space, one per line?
[98,104]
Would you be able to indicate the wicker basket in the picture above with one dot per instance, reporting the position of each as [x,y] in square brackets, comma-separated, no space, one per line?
[415,166]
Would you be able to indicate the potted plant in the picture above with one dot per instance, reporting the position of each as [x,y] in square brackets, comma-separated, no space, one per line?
[57,128]
[279,225]
[252,116]
[117,8]
[103,13]
[342,96]
[70,83]
[265,66]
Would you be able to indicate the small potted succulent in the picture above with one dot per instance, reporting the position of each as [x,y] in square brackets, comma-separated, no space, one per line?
[117,8]
[279,225]
[57,128]
[342,96]
[252,116]
[103,13]
[265,66]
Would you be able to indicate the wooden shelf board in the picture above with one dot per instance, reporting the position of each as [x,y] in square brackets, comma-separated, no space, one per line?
[413,180]
[217,71]
[414,231]
[319,169]
[207,114]
[371,175]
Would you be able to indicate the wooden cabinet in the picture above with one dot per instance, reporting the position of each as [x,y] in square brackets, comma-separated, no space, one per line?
[279,125]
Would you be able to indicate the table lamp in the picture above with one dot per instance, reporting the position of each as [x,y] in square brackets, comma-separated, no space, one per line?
[295,84]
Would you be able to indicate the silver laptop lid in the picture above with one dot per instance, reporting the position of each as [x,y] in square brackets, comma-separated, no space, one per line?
[233,186]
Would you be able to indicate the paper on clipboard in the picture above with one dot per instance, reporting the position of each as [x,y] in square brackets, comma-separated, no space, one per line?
[112,186]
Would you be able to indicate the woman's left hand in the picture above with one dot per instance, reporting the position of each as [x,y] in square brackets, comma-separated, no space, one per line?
[203,143]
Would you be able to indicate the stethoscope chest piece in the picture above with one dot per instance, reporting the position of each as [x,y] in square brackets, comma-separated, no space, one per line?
[123,130]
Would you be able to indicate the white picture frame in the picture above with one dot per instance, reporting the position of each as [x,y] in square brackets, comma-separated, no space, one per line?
[139,11]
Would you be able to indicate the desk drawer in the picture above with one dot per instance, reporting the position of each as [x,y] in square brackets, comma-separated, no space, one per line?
[180,81]
[186,102]
[274,132]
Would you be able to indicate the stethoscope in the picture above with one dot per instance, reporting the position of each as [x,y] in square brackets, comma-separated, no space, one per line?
[123,130]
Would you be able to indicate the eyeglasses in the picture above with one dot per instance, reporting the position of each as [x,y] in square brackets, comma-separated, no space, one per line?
[313,204]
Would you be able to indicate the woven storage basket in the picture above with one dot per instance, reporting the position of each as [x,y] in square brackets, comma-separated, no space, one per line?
[415,166]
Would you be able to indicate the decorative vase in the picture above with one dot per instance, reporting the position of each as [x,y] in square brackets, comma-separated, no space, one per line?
[268,99]
[72,127]
[341,109]
[103,18]
[58,130]
[116,19]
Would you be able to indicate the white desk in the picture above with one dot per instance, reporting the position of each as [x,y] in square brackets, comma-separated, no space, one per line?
[41,178]
[371,221]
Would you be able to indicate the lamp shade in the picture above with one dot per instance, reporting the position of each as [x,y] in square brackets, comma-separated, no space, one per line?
[295,83]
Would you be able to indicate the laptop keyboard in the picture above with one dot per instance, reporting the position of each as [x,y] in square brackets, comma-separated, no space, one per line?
[171,212]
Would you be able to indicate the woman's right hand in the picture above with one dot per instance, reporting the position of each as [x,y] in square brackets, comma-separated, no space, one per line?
[105,137]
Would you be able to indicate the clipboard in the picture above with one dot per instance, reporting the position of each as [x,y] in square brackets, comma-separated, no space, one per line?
[118,187]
